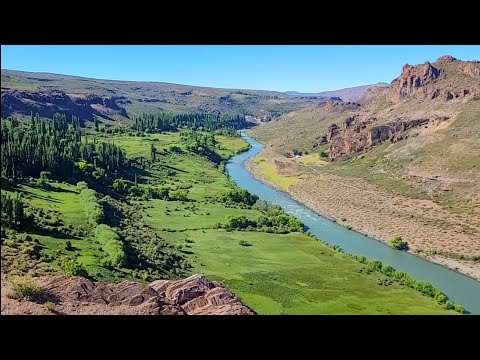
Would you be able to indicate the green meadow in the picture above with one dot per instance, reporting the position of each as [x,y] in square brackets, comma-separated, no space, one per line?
[277,274]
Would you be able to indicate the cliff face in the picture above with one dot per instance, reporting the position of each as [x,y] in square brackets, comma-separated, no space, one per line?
[357,135]
[47,103]
[421,96]
[435,81]
[195,295]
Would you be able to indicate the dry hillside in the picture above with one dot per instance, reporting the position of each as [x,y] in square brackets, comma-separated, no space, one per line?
[406,163]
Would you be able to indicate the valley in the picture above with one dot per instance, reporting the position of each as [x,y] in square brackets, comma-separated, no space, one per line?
[419,183]
[124,197]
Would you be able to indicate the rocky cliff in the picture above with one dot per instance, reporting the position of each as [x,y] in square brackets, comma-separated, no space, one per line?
[195,295]
[47,103]
[422,96]
[356,135]
[436,81]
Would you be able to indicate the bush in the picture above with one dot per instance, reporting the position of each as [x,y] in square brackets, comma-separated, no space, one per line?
[72,268]
[49,306]
[81,185]
[111,245]
[68,245]
[238,222]
[179,195]
[244,243]
[239,196]
[93,210]
[398,244]
[24,289]
[323,154]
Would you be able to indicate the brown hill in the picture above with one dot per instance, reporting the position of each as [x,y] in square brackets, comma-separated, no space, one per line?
[195,295]
[110,100]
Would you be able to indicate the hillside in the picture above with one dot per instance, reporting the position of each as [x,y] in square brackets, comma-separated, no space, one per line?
[109,100]
[353,94]
[413,147]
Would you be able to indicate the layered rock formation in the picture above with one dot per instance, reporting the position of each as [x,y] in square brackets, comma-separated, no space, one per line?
[47,103]
[357,135]
[411,98]
[195,295]
[424,81]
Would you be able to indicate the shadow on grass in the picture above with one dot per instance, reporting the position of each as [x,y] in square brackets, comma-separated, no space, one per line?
[35,196]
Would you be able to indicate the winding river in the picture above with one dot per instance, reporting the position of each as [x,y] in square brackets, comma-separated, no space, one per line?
[459,288]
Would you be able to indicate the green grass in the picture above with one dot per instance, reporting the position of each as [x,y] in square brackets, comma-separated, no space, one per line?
[230,145]
[60,197]
[276,274]
[270,174]
[293,274]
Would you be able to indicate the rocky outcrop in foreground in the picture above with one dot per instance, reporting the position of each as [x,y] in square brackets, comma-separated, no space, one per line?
[195,295]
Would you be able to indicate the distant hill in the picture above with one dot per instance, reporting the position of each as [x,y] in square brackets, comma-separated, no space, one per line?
[352,94]
[110,100]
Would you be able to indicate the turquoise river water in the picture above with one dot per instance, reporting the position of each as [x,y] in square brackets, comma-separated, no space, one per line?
[459,288]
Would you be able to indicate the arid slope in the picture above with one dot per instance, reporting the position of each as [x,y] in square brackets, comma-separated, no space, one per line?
[407,163]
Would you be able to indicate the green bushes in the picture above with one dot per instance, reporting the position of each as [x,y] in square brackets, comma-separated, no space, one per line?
[403,278]
[111,245]
[81,185]
[93,210]
[239,223]
[244,243]
[73,268]
[13,214]
[398,243]
[179,195]
[239,196]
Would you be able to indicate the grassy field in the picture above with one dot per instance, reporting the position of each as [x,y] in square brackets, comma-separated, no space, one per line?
[269,173]
[290,274]
[277,274]
[312,159]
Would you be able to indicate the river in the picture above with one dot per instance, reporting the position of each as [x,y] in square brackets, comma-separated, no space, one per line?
[459,288]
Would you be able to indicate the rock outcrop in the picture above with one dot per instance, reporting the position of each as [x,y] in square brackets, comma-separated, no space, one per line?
[427,82]
[195,295]
[412,81]
[357,135]
[47,103]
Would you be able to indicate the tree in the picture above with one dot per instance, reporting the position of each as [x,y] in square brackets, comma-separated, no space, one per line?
[398,243]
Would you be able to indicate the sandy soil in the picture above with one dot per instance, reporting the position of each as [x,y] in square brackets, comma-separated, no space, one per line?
[429,229]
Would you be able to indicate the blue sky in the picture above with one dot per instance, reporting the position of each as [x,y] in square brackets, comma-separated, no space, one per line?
[310,68]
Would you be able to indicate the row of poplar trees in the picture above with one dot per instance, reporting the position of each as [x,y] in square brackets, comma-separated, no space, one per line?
[40,145]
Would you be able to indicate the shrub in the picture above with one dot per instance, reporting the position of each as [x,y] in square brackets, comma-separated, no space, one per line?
[49,306]
[73,268]
[68,245]
[398,243]
[81,185]
[239,196]
[323,154]
[179,195]
[244,243]
[93,210]
[238,222]
[24,289]
[111,245]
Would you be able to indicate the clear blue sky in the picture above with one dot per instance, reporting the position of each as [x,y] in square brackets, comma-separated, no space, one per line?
[302,68]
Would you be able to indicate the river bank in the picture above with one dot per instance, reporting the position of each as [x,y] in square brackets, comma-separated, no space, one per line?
[358,205]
